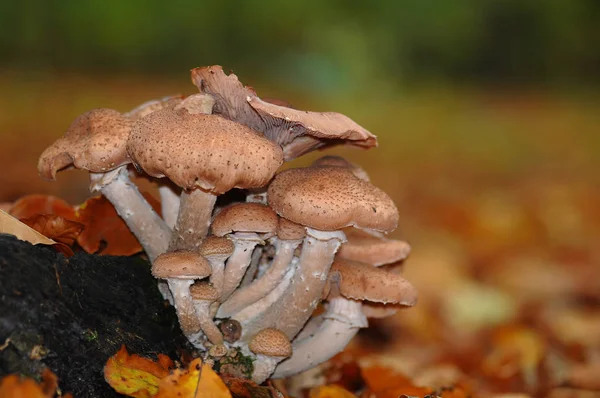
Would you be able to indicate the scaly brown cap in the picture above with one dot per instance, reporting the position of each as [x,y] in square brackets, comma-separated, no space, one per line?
[207,151]
[95,141]
[298,132]
[204,291]
[245,217]
[366,248]
[331,198]
[216,246]
[289,230]
[360,281]
[152,106]
[271,342]
[181,265]
[338,161]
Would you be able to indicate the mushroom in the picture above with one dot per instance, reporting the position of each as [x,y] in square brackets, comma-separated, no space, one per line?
[203,295]
[270,346]
[338,161]
[289,236]
[298,132]
[331,332]
[325,200]
[180,269]
[206,155]
[216,250]
[247,225]
[96,141]
[370,248]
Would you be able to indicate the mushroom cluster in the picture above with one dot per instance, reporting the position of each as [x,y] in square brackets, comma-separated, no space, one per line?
[283,275]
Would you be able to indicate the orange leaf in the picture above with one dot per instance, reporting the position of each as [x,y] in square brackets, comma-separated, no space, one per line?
[32,205]
[384,382]
[243,388]
[14,386]
[135,376]
[196,381]
[330,391]
[105,232]
[55,227]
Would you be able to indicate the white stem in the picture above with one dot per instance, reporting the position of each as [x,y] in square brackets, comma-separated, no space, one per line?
[238,262]
[193,220]
[252,269]
[264,367]
[291,312]
[207,325]
[217,275]
[169,203]
[184,305]
[257,309]
[258,289]
[150,230]
[341,322]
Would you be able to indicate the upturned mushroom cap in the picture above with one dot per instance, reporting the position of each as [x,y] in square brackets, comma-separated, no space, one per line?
[216,246]
[298,132]
[198,150]
[181,265]
[95,141]
[360,281]
[203,291]
[271,342]
[366,248]
[338,161]
[245,217]
[331,198]
[289,230]
[152,106]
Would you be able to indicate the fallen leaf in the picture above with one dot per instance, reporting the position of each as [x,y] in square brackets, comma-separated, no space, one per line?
[33,205]
[243,388]
[12,226]
[330,391]
[105,232]
[384,382]
[198,381]
[135,376]
[55,227]
[14,386]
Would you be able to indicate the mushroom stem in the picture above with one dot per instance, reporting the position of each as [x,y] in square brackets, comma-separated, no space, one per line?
[239,261]
[253,268]
[290,313]
[193,220]
[207,325]
[184,305]
[264,367]
[169,203]
[340,323]
[258,289]
[151,231]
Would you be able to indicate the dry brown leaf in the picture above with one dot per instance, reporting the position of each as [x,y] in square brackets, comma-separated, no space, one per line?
[55,227]
[384,382]
[32,205]
[105,232]
[243,388]
[12,226]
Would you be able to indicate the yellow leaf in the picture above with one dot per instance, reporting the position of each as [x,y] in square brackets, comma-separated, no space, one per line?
[135,376]
[198,381]
[330,391]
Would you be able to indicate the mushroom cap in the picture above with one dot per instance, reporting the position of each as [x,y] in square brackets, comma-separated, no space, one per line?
[331,198]
[216,246]
[206,151]
[95,141]
[379,310]
[289,230]
[245,217]
[181,265]
[366,248]
[360,281]
[152,106]
[204,291]
[271,342]
[338,161]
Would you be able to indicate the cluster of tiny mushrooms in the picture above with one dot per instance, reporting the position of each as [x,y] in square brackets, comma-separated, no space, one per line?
[285,273]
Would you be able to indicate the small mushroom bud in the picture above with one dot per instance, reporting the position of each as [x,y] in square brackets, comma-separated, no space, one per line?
[231,329]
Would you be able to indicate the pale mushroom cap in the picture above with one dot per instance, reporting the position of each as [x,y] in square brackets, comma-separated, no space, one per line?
[338,161]
[271,342]
[181,265]
[95,141]
[152,106]
[206,151]
[360,281]
[366,248]
[289,230]
[203,291]
[245,217]
[216,246]
[331,198]
[379,310]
